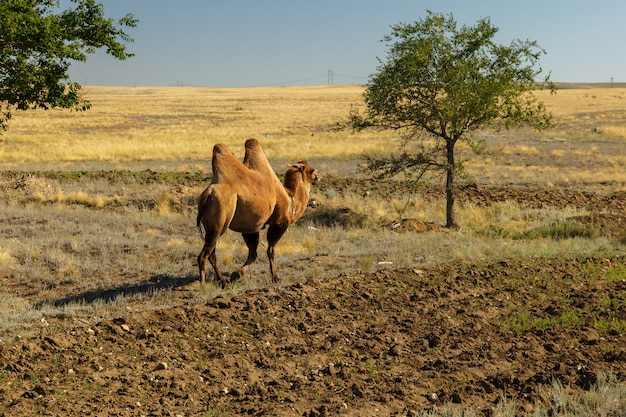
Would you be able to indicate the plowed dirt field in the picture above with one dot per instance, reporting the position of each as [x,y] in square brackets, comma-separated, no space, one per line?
[391,342]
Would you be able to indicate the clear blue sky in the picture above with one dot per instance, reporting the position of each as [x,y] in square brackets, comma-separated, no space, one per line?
[232,43]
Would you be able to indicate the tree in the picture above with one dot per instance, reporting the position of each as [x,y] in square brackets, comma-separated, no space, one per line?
[439,84]
[38,42]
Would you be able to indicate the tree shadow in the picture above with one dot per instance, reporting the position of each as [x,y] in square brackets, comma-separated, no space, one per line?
[155,283]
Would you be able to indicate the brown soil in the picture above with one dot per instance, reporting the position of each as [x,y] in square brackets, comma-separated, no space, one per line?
[386,343]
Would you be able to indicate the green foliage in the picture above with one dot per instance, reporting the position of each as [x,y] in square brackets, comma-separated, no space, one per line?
[440,83]
[447,80]
[38,42]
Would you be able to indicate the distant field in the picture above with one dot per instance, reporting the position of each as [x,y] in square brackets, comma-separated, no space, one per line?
[174,129]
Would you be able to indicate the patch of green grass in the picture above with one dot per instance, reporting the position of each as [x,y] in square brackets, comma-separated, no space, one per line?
[526,321]
[563,229]
[612,273]
[122,175]
[366,263]
[610,324]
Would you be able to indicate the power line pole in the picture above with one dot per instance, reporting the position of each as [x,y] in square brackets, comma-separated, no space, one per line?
[330,77]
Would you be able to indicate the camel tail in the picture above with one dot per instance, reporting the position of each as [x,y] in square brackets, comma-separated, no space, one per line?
[202,203]
[199,224]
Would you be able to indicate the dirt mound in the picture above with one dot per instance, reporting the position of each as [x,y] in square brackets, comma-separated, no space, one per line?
[25,186]
[325,216]
[387,343]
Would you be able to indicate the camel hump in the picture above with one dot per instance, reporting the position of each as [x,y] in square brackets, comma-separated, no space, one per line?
[255,158]
[226,166]
[221,149]
[252,143]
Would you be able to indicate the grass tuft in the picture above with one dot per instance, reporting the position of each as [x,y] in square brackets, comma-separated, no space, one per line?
[607,397]
[565,229]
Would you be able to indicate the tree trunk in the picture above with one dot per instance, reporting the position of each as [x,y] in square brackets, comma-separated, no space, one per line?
[450,223]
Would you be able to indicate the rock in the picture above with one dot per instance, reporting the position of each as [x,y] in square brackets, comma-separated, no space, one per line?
[331,370]
[161,366]
[395,350]
[220,302]
[455,398]
[591,337]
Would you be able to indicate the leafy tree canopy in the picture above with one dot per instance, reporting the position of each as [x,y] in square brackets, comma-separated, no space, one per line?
[442,81]
[39,41]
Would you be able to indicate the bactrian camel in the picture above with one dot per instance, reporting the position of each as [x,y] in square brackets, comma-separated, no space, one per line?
[246,197]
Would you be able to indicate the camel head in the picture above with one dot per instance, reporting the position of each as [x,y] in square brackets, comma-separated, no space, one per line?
[301,171]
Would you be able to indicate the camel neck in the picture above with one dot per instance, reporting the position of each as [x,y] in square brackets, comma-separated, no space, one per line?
[298,199]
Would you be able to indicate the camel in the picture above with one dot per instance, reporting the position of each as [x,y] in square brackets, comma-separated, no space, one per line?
[246,197]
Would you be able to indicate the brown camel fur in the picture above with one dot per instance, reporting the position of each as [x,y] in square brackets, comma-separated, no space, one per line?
[246,197]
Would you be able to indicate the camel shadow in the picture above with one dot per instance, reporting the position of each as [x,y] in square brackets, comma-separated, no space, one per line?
[154,284]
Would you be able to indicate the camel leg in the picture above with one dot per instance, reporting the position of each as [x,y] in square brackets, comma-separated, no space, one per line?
[216,209]
[252,241]
[274,233]
[202,258]
[208,252]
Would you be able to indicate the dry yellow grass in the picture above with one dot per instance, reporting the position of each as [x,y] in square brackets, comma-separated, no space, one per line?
[588,110]
[6,259]
[174,129]
[180,125]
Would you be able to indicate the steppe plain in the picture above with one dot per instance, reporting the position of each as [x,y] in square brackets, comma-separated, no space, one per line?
[381,311]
